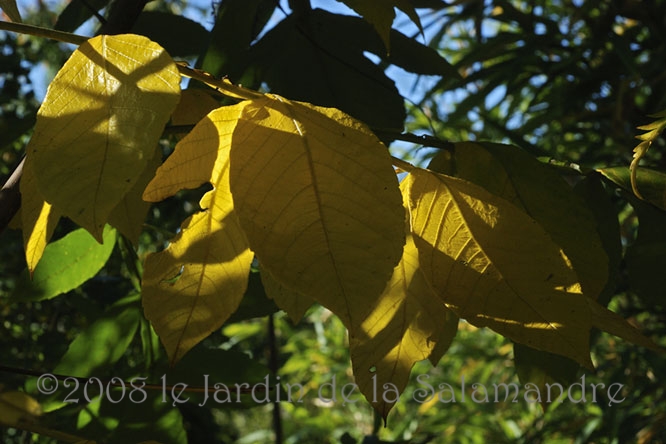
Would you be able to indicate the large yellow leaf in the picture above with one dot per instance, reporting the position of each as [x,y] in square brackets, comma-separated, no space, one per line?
[38,218]
[193,286]
[495,266]
[518,177]
[292,302]
[98,126]
[194,105]
[408,324]
[128,216]
[319,201]
[194,161]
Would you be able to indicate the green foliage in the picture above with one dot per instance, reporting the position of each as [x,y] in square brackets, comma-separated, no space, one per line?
[67,264]
[258,213]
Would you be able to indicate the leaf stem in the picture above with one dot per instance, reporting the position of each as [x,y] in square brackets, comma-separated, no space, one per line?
[38,31]
[405,166]
[223,85]
[419,139]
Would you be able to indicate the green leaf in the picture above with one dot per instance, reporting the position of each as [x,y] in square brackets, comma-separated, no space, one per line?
[38,218]
[9,8]
[67,263]
[97,348]
[154,420]
[645,258]
[97,129]
[347,80]
[539,367]
[414,57]
[78,12]
[237,25]
[159,27]
[650,183]
[379,13]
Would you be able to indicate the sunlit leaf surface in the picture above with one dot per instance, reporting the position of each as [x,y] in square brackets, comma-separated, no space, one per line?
[193,286]
[496,267]
[98,126]
[319,201]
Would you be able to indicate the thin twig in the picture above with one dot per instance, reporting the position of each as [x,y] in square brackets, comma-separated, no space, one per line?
[10,197]
[38,31]
[274,366]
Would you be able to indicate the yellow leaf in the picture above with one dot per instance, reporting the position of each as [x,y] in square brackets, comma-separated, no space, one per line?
[194,105]
[513,174]
[193,286]
[98,126]
[128,216]
[193,162]
[292,302]
[318,198]
[405,327]
[17,408]
[496,267]
[38,218]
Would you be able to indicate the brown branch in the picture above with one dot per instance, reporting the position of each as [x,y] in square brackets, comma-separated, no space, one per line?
[10,197]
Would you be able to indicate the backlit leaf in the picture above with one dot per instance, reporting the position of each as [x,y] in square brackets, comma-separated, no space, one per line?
[103,342]
[193,286]
[17,408]
[405,326]
[318,199]
[129,215]
[495,266]
[292,302]
[98,126]
[38,218]
[194,105]
[511,173]
[67,263]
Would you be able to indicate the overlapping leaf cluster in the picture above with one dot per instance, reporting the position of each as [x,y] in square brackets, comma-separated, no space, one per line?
[311,194]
